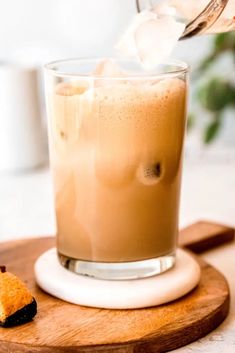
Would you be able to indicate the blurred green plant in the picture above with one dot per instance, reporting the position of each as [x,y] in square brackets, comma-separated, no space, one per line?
[216,94]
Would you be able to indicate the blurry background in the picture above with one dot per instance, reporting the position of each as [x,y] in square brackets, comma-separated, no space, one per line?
[35,32]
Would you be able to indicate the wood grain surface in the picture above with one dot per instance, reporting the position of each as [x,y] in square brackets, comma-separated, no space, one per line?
[62,327]
[203,235]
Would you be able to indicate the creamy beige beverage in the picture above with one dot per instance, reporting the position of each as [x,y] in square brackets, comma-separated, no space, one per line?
[116,155]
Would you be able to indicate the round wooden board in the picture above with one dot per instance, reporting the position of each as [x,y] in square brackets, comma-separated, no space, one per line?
[61,327]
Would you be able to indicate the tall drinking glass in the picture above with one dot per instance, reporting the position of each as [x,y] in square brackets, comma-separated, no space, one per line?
[116,144]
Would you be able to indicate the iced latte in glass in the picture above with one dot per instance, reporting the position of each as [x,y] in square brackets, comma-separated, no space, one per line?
[116,139]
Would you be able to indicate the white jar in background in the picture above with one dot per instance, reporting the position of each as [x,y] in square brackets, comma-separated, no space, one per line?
[22,141]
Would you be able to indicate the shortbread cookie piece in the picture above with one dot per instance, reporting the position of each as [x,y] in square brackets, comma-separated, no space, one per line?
[17,305]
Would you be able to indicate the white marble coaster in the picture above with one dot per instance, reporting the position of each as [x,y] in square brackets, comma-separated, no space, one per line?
[128,294]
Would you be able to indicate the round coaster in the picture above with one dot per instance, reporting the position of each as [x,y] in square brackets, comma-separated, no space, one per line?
[129,294]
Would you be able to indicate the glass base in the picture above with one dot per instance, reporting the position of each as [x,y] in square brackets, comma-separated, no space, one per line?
[117,270]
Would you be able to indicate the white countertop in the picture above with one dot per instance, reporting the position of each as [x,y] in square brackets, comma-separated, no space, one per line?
[208,192]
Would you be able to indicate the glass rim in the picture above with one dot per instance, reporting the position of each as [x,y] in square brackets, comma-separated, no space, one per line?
[180,68]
